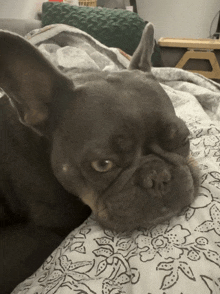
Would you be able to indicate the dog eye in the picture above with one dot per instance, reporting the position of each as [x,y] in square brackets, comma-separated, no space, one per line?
[102,166]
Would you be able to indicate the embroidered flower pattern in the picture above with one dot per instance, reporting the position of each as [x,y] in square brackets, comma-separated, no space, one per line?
[213,224]
[69,275]
[162,241]
[113,255]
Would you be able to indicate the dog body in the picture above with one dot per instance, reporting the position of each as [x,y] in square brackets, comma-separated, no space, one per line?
[111,141]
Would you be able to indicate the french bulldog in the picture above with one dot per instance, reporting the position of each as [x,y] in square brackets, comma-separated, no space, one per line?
[106,142]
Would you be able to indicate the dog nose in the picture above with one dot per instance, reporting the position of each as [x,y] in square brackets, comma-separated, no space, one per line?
[155,179]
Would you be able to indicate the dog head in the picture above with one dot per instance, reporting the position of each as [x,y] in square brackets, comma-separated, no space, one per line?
[115,139]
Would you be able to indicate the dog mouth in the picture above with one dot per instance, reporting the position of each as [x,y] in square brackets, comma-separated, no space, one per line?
[146,195]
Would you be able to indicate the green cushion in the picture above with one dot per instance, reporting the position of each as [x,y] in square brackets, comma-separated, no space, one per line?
[112,27]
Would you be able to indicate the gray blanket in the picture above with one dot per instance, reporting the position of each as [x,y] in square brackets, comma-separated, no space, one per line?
[74,51]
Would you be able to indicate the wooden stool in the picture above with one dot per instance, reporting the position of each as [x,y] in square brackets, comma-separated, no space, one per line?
[196,49]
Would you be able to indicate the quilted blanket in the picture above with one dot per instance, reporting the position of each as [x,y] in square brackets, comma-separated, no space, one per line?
[181,256]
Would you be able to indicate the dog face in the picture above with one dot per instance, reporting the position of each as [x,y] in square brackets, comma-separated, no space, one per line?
[116,142]
[129,163]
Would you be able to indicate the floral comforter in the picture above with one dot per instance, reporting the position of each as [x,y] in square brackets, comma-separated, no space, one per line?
[181,256]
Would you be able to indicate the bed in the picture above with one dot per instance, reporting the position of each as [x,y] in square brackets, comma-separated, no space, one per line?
[181,256]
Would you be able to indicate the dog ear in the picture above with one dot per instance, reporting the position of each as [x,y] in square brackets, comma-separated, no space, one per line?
[141,58]
[28,78]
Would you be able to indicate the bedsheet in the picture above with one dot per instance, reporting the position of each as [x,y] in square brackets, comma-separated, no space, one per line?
[181,256]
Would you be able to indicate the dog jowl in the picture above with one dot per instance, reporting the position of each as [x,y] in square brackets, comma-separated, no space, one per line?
[110,141]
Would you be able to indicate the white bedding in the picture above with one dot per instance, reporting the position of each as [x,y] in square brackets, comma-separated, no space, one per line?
[181,256]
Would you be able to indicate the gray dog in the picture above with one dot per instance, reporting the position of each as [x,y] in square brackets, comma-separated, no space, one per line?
[108,141]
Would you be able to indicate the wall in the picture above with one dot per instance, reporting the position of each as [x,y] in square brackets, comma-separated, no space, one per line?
[180,18]
[172,18]
[19,8]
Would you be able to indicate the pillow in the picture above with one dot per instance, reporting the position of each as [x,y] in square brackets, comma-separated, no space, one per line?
[113,28]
